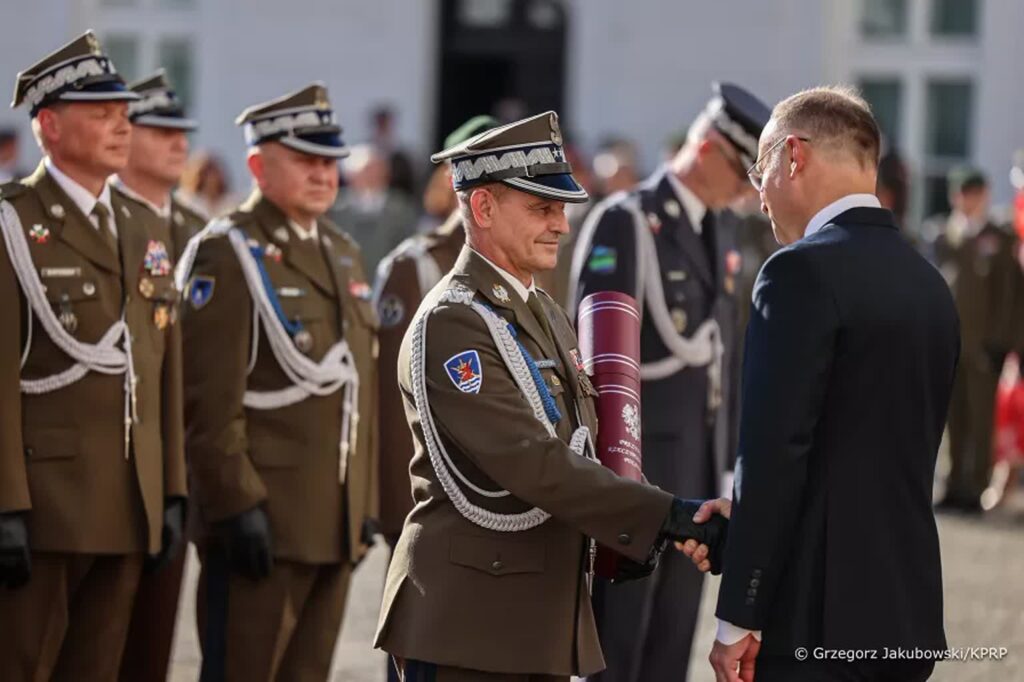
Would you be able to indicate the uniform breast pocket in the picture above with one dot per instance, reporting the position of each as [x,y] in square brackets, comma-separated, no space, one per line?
[75,300]
[497,557]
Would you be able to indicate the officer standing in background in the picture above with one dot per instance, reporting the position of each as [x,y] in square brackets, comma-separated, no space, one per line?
[403,279]
[659,244]
[159,150]
[92,473]
[280,401]
[978,259]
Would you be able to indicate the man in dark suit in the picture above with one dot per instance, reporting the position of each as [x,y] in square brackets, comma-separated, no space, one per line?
[850,358]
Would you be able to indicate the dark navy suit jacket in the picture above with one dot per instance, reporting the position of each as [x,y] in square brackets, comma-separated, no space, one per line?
[850,356]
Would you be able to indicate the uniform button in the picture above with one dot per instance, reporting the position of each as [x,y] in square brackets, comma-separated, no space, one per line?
[752,592]
[624,539]
[28,452]
[88,288]
[750,601]
[555,381]
[755,582]
[756,573]
[497,565]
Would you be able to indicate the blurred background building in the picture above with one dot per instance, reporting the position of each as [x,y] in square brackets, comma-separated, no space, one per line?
[943,75]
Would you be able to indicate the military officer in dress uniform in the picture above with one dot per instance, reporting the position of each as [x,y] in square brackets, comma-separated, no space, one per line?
[489,580]
[159,149]
[978,258]
[92,474]
[659,244]
[403,278]
[280,400]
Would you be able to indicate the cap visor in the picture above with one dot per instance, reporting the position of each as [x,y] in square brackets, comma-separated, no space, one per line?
[173,122]
[559,186]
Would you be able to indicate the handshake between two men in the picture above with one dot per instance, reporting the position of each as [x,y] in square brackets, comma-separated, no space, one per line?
[697,529]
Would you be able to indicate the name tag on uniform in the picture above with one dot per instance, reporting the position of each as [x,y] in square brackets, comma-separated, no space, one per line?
[676,276]
[60,272]
[291,292]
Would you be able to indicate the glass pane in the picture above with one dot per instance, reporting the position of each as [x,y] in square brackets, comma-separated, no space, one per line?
[175,55]
[950,104]
[883,18]
[885,95]
[936,199]
[123,50]
[177,4]
[484,13]
[118,3]
[954,17]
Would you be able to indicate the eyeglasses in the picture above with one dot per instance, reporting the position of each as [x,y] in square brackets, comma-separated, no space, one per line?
[754,172]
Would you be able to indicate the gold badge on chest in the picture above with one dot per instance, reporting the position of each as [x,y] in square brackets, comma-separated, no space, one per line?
[679,319]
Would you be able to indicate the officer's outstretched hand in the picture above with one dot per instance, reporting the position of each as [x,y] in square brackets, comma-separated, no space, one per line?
[173,535]
[15,559]
[690,520]
[246,538]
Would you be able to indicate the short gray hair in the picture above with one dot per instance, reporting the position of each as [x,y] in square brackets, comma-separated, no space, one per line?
[833,115]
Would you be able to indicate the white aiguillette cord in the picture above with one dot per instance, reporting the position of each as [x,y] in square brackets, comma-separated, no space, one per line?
[104,356]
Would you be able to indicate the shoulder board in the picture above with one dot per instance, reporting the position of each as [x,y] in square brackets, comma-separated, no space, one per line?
[190,212]
[327,226]
[9,190]
[457,292]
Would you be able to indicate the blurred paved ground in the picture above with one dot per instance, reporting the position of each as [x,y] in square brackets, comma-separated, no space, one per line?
[983,566]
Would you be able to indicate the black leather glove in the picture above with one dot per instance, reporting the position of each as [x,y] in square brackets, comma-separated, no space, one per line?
[173,536]
[246,539]
[627,569]
[15,559]
[679,526]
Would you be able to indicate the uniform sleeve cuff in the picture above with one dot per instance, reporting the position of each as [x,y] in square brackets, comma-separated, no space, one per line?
[728,634]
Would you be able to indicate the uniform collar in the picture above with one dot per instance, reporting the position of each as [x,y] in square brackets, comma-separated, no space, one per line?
[694,207]
[304,233]
[81,197]
[161,211]
[841,205]
[517,286]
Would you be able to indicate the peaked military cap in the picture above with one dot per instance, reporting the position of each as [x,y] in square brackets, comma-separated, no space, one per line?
[740,117]
[158,106]
[303,121]
[77,72]
[526,155]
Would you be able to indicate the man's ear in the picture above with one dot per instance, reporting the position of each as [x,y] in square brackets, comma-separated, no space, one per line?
[797,155]
[255,163]
[483,203]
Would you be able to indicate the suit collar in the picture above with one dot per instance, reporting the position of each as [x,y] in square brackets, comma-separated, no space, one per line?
[69,224]
[881,217]
[838,207]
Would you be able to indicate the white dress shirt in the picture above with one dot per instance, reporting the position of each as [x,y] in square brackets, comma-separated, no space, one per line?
[82,197]
[727,632]
[517,286]
[304,233]
[841,205]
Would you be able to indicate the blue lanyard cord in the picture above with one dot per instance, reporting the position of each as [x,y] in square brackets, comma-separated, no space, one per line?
[548,400]
[293,327]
